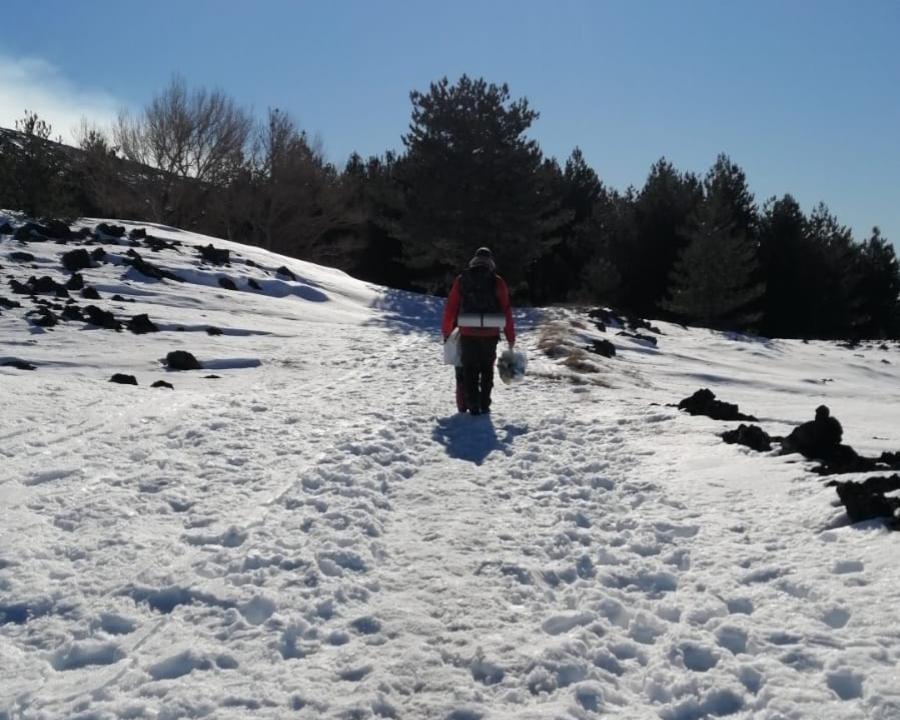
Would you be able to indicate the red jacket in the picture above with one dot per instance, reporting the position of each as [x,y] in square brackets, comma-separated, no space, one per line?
[451,311]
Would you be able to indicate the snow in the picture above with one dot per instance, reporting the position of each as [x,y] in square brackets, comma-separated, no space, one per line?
[315,533]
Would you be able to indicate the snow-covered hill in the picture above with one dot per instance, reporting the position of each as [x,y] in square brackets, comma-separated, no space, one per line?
[315,533]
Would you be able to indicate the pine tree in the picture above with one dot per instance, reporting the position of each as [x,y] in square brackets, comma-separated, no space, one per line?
[470,177]
[37,166]
[879,289]
[835,282]
[661,212]
[713,282]
[785,257]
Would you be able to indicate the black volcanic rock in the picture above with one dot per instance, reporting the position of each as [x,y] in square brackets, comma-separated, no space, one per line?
[182,360]
[141,324]
[819,438]
[227,283]
[98,254]
[57,230]
[72,312]
[76,282]
[90,293]
[44,285]
[751,436]
[137,234]
[213,330]
[24,233]
[42,317]
[6,229]
[123,379]
[214,255]
[115,231]
[76,260]
[253,284]
[703,402]
[9,304]
[606,317]
[102,318]
[867,500]
[163,384]
[21,256]
[156,244]
[152,271]
[18,364]
[602,347]
[287,273]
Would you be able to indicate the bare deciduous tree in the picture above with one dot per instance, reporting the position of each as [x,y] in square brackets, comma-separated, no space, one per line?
[292,188]
[196,140]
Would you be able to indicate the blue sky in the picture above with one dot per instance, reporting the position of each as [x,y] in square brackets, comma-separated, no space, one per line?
[803,94]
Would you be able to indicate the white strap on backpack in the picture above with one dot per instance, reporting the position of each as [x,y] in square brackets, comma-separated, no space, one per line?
[481,320]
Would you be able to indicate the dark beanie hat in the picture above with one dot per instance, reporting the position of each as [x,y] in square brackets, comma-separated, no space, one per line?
[484,252]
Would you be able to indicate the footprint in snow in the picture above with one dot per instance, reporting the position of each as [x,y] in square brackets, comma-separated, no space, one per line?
[836,617]
[844,567]
[846,684]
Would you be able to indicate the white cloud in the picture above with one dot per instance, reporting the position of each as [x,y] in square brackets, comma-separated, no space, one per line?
[34,84]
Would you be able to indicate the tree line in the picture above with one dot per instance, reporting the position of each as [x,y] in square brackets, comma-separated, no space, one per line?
[694,249]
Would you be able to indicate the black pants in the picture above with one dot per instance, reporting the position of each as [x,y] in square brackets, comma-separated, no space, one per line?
[478,354]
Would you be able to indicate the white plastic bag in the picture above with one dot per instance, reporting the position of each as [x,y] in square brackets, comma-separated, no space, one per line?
[452,351]
[511,366]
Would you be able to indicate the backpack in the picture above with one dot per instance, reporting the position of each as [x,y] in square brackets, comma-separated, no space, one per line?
[478,291]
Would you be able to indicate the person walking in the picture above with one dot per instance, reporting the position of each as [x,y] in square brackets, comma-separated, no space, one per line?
[478,303]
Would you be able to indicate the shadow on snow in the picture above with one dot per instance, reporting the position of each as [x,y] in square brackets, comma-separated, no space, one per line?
[473,438]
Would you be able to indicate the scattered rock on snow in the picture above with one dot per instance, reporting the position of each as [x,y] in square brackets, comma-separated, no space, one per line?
[6,229]
[141,324]
[214,255]
[19,288]
[287,273]
[18,364]
[72,312]
[163,384]
[819,438]
[182,360]
[151,271]
[867,500]
[703,402]
[76,282]
[76,260]
[227,283]
[648,339]
[42,317]
[157,244]
[124,379]
[89,293]
[137,234]
[253,284]
[602,347]
[213,330]
[21,256]
[751,436]
[46,285]
[102,318]
[115,231]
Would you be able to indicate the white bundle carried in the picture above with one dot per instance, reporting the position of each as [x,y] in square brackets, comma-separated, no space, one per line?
[452,351]
[511,366]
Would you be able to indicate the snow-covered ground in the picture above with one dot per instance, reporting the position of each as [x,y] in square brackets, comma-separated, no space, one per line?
[315,533]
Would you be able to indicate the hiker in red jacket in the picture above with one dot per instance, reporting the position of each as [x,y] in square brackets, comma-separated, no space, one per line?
[478,304]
